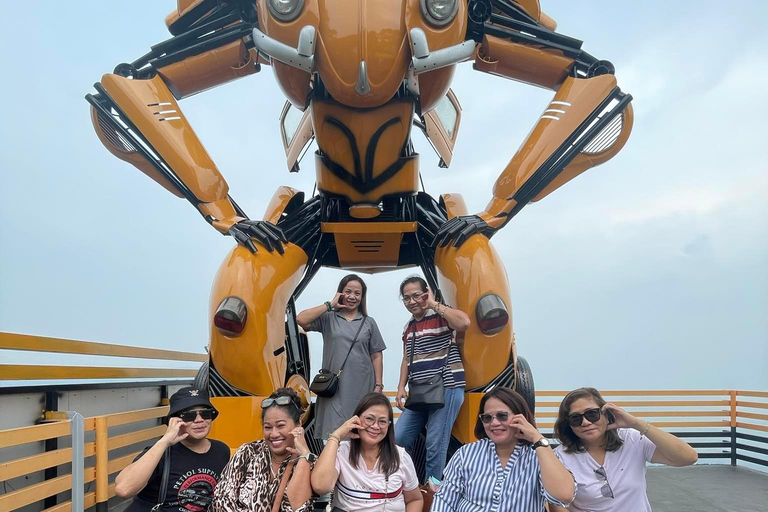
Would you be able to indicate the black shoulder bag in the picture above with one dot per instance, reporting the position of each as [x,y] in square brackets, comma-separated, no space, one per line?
[326,383]
[424,394]
[164,480]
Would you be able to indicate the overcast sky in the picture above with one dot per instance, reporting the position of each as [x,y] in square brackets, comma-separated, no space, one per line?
[650,271]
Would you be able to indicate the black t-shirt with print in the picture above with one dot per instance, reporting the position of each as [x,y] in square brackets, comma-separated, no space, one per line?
[191,481]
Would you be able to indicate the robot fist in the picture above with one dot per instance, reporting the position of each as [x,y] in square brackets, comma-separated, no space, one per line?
[269,235]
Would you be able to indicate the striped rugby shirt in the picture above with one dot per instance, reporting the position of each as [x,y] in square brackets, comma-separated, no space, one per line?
[475,481]
[436,350]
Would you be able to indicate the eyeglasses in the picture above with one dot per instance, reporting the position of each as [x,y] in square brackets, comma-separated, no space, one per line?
[487,418]
[370,421]
[188,416]
[605,490]
[592,415]
[281,400]
[416,297]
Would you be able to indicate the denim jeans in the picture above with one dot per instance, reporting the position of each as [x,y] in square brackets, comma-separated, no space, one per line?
[439,424]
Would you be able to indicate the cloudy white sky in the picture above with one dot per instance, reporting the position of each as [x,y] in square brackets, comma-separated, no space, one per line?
[650,271]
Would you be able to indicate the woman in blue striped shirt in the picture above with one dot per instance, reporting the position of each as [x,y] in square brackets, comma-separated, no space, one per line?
[510,469]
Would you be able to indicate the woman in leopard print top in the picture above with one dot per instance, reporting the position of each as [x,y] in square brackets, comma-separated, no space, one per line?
[251,479]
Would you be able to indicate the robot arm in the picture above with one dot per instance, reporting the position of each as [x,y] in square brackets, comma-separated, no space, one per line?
[137,117]
[586,123]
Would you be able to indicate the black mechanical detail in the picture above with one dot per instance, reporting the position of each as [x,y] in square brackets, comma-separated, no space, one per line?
[601,67]
[271,236]
[126,70]
[479,11]
[458,229]
[301,223]
[524,383]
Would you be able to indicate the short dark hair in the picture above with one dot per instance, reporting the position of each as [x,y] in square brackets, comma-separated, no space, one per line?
[293,409]
[413,279]
[563,431]
[389,458]
[511,399]
[354,277]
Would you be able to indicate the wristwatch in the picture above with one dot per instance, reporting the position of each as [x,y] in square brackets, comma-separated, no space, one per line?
[541,442]
[311,457]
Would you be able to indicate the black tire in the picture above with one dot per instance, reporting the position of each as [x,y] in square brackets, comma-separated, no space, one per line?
[201,379]
[524,383]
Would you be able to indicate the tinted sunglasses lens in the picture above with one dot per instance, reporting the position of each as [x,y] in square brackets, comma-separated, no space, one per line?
[281,400]
[575,420]
[502,416]
[592,415]
[188,416]
[486,418]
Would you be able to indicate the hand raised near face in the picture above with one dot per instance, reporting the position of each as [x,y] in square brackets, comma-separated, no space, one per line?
[525,430]
[175,432]
[300,448]
[621,418]
[335,302]
[346,429]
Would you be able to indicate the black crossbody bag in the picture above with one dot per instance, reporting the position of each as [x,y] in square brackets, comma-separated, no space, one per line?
[424,394]
[326,383]
[164,480]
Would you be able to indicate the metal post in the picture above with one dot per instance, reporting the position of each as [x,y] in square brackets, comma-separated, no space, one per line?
[78,459]
[732,395]
[51,404]
[102,464]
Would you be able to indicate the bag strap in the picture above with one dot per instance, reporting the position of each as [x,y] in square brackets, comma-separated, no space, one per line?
[413,350]
[281,488]
[362,322]
[164,479]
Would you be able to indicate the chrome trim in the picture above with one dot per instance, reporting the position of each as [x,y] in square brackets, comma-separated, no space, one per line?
[362,87]
[301,57]
[434,21]
[423,60]
[286,17]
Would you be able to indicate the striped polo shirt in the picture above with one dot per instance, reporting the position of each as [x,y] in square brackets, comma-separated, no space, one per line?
[474,480]
[436,350]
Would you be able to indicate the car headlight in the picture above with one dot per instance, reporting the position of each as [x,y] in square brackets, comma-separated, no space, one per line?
[285,10]
[439,12]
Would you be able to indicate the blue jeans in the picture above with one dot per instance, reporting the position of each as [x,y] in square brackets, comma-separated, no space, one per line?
[439,424]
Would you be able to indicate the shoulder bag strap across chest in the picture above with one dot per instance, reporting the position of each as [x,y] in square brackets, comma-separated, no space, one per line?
[362,322]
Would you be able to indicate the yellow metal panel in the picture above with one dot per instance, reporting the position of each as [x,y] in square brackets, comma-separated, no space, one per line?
[21,435]
[755,405]
[135,437]
[13,341]
[34,493]
[760,394]
[464,427]
[122,418]
[114,466]
[752,426]
[239,420]
[27,465]
[102,458]
[40,372]
[368,227]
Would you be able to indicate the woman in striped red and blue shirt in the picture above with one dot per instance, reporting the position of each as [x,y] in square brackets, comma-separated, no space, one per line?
[510,469]
[431,335]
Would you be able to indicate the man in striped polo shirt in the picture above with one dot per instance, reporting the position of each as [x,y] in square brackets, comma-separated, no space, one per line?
[431,335]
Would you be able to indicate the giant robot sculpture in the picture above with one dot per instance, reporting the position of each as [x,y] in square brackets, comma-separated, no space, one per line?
[363,72]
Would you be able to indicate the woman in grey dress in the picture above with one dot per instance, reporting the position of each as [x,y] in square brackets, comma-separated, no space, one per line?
[339,320]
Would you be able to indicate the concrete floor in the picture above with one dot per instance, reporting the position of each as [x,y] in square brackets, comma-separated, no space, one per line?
[707,488]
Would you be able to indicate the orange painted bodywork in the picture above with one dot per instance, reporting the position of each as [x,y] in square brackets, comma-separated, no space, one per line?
[206,70]
[393,120]
[255,360]
[536,66]
[465,274]
[280,200]
[371,246]
[153,109]
[464,426]
[239,420]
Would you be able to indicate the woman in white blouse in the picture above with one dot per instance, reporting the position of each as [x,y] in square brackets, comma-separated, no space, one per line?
[606,449]
[362,462]
[511,468]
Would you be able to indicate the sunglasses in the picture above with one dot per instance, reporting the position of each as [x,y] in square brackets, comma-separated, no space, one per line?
[605,490]
[370,421]
[592,415]
[486,418]
[189,416]
[281,400]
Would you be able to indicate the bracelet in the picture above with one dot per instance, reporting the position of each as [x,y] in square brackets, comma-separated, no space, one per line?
[378,385]
[647,426]
[334,437]
[328,306]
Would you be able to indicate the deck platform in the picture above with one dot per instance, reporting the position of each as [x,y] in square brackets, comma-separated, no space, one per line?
[707,488]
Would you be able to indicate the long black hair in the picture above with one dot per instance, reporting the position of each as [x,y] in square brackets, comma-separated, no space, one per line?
[563,431]
[354,277]
[389,458]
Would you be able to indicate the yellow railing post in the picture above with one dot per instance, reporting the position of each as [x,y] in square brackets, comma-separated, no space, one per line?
[102,463]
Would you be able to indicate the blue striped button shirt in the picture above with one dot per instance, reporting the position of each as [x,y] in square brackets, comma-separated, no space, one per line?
[474,480]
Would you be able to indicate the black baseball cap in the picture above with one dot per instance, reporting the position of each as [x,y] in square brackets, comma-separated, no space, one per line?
[190,397]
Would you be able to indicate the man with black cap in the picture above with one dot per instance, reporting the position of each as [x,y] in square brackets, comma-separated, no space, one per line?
[179,472]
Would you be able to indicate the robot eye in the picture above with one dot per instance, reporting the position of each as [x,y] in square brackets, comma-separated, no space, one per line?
[285,10]
[439,12]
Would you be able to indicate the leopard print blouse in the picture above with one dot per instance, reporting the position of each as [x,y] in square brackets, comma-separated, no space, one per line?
[247,483]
